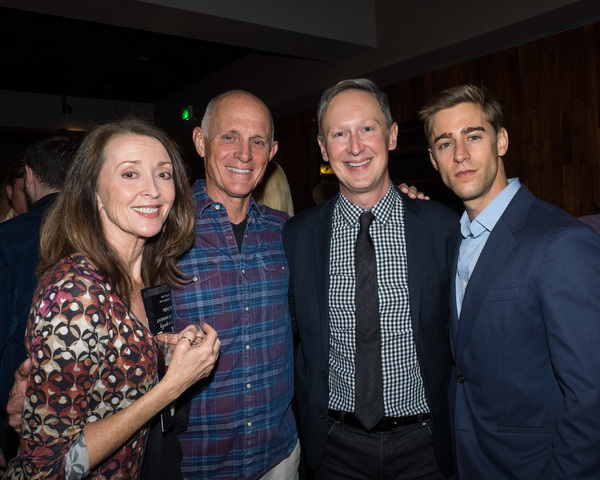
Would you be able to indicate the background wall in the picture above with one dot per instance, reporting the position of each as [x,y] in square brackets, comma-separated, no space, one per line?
[550,92]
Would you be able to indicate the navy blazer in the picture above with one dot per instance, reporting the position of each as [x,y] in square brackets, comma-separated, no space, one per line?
[431,233]
[526,400]
[19,258]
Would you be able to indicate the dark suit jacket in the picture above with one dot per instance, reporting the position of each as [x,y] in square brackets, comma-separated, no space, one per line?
[526,400]
[19,258]
[431,232]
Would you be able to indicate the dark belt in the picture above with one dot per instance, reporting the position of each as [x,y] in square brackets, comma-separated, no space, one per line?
[385,424]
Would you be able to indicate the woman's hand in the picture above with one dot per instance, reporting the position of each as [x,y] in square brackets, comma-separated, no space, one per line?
[194,358]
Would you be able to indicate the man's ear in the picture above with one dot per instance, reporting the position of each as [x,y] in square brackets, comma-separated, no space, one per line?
[198,139]
[502,142]
[9,192]
[433,160]
[28,178]
[323,149]
[274,149]
[393,141]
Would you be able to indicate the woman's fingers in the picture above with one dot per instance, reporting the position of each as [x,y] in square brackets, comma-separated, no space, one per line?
[194,357]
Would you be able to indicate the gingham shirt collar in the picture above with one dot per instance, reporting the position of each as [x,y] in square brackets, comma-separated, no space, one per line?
[382,210]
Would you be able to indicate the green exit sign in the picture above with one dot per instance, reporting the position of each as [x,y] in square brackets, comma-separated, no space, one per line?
[187,113]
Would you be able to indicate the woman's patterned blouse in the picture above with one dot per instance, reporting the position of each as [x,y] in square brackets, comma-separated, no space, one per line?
[90,359]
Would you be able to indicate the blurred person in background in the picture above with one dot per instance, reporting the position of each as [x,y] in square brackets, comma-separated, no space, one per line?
[5,206]
[47,161]
[14,190]
[274,190]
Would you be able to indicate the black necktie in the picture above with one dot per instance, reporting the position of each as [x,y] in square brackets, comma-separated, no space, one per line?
[368,380]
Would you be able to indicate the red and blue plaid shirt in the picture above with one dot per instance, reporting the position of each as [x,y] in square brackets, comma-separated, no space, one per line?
[241,420]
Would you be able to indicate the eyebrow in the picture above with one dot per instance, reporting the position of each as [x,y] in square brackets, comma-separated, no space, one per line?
[137,162]
[463,132]
[128,162]
[237,132]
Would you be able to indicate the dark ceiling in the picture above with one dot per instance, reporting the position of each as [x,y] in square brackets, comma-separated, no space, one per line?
[152,51]
[43,54]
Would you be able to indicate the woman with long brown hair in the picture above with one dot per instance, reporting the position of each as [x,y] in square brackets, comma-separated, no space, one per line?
[124,216]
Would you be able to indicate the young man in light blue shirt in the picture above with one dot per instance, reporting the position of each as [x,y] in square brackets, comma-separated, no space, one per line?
[525,311]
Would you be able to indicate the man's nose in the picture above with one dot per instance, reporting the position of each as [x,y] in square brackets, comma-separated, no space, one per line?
[355,145]
[461,152]
[244,153]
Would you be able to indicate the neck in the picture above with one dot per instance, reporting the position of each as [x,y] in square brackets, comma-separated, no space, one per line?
[236,207]
[131,256]
[365,200]
[477,205]
[40,192]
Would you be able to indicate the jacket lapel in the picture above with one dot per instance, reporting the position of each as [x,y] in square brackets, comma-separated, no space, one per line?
[414,234]
[453,308]
[498,246]
[321,243]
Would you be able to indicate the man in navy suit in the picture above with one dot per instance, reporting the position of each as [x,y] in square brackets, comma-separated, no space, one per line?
[525,309]
[413,242]
[46,164]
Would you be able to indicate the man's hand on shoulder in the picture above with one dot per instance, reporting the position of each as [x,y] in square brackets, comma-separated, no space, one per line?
[412,192]
[17,395]
[2,463]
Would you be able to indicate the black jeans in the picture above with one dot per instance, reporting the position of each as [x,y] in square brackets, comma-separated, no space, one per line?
[404,453]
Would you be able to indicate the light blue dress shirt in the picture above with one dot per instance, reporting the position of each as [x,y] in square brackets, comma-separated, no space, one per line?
[475,234]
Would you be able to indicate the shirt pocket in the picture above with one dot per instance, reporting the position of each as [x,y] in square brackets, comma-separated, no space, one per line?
[202,298]
[276,279]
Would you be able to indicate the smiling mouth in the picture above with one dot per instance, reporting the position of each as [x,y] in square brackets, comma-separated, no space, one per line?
[148,210]
[238,170]
[358,164]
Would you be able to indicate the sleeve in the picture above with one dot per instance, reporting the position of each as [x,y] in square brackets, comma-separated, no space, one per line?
[66,340]
[77,465]
[13,315]
[570,299]
[287,247]
[5,304]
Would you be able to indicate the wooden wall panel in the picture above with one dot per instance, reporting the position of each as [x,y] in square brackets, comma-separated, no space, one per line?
[297,155]
[526,119]
[549,90]
[575,136]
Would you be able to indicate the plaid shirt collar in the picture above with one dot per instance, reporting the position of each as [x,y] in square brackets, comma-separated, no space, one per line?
[203,201]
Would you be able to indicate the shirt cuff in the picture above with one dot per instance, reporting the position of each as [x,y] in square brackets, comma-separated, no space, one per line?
[77,463]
